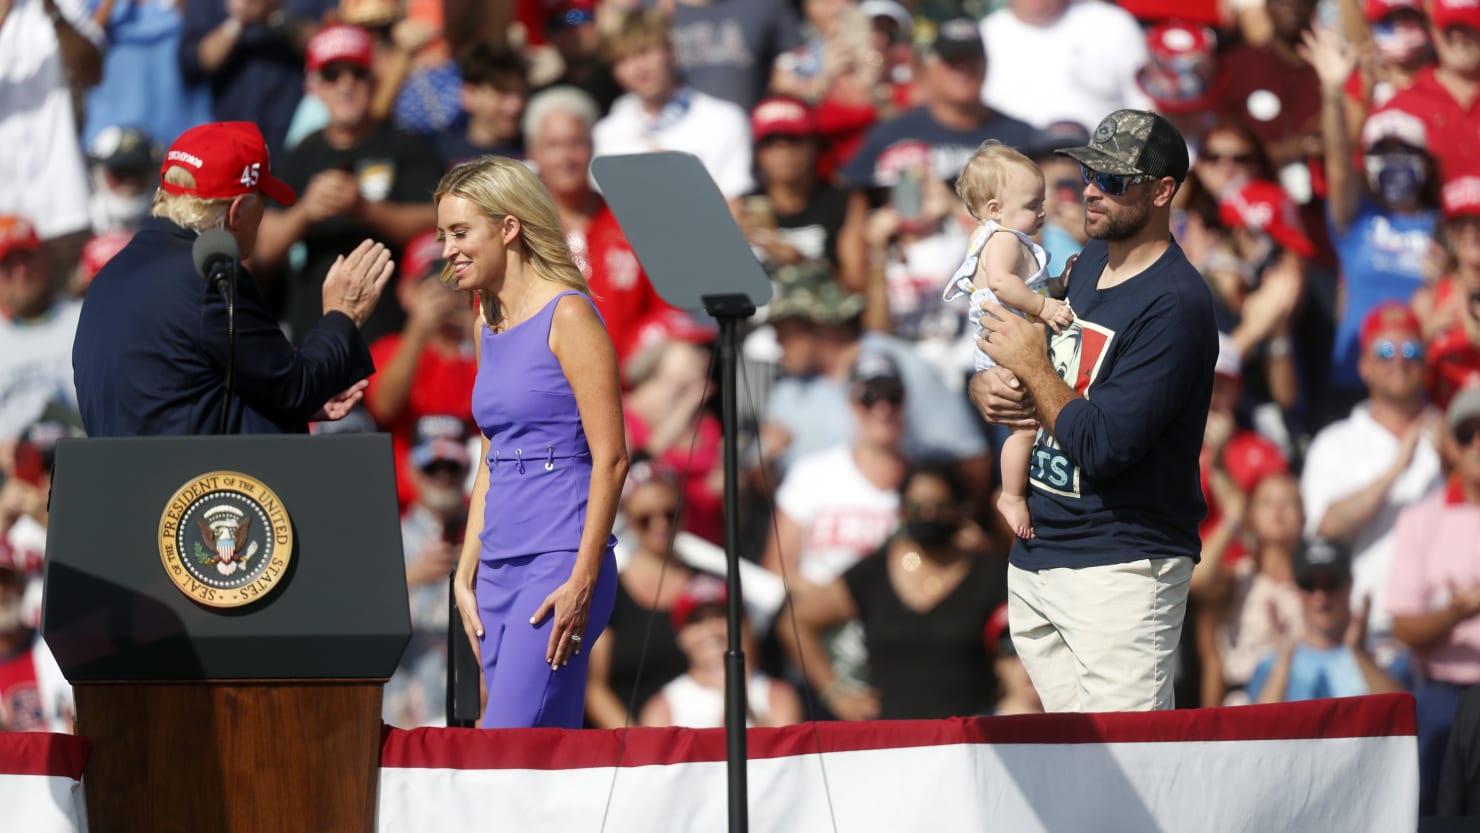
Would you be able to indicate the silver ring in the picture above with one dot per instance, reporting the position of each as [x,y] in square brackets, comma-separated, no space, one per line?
[575,637]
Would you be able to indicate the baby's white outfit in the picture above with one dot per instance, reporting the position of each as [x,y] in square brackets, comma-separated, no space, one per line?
[961,283]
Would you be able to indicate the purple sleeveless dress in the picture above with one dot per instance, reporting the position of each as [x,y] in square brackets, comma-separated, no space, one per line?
[539,479]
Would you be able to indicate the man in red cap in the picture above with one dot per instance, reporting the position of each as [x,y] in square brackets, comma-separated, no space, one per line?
[359,178]
[1444,96]
[36,330]
[151,347]
[1362,470]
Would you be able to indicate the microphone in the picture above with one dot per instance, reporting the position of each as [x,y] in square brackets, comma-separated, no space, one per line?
[215,253]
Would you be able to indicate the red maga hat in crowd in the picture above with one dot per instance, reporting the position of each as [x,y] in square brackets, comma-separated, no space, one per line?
[1263,206]
[1461,197]
[340,42]
[1447,13]
[227,159]
[781,117]
[17,235]
[703,590]
[1376,10]
[1388,315]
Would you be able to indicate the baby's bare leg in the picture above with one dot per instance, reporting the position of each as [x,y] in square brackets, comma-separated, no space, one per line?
[1017,450]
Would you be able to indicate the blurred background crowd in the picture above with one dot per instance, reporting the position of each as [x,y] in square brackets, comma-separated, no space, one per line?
[1333,209]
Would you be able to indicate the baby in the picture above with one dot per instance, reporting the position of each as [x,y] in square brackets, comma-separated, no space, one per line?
[1004,191]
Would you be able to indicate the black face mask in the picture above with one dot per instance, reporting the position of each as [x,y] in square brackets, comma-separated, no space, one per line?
[930,533]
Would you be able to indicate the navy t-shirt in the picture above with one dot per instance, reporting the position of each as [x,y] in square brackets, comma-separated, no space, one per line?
[1118,481]
[949,148]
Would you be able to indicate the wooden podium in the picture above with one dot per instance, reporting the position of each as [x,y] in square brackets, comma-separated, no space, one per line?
[227,610]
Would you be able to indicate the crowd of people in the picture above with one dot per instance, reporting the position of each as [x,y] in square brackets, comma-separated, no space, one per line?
[1332,207]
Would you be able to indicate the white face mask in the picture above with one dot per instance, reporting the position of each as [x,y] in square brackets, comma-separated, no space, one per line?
[114,210]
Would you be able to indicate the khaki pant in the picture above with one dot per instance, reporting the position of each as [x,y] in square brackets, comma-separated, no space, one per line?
[1100,639]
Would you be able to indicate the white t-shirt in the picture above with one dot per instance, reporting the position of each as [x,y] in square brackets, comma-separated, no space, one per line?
[712,129]
[844,517]
[696,707]
[1343,458]
[36,365]
[42,175]
[1079,68]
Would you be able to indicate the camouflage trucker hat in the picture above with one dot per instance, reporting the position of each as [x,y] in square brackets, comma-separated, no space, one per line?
[1131,142]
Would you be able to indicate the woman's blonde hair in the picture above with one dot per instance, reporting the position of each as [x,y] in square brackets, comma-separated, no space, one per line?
[984,175]
[184,210]
[501,187]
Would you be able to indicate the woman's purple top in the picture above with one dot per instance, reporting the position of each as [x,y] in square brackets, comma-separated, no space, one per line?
[539,464]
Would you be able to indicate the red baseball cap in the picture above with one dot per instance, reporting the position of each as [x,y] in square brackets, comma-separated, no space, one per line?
[420,255]
[98,251]
[1376,10]
[1447,13]
[1249,458]
[1461,197]
[781,117]
[1395,124]
[1388,315]
[703,590]
[340,42]
[17,235]
[228,159]
[1263,206]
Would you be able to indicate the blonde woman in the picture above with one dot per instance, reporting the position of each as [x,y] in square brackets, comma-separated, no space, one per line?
[536,579]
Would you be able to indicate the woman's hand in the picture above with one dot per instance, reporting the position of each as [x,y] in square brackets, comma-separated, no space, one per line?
[570,604]
[467,607]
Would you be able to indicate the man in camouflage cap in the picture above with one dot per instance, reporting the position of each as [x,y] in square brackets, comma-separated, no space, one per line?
[1098,592]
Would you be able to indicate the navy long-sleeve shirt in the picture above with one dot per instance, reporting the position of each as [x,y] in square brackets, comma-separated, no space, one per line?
[1118,479]
[151,347]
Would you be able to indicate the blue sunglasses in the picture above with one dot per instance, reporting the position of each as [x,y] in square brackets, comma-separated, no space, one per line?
[1111,184]
[1386,349]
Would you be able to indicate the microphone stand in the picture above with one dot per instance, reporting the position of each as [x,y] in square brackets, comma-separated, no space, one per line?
[224,278]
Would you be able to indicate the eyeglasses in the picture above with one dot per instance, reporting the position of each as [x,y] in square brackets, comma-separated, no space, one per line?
[871,397]
[646,520]
[1238,158]
[1387,350]
[334,72]
[1466,431]
[1111,184]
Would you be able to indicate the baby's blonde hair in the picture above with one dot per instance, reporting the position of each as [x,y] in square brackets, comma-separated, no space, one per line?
[501,187]
[985,174]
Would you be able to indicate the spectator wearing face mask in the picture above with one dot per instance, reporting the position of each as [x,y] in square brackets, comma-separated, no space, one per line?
[125,172]
[1382,214]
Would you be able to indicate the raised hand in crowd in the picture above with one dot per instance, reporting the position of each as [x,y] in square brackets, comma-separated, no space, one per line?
[1333,61]
[355,282]
[432,305]
[331,193]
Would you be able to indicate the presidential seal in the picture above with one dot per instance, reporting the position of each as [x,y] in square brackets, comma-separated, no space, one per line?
[225,539]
